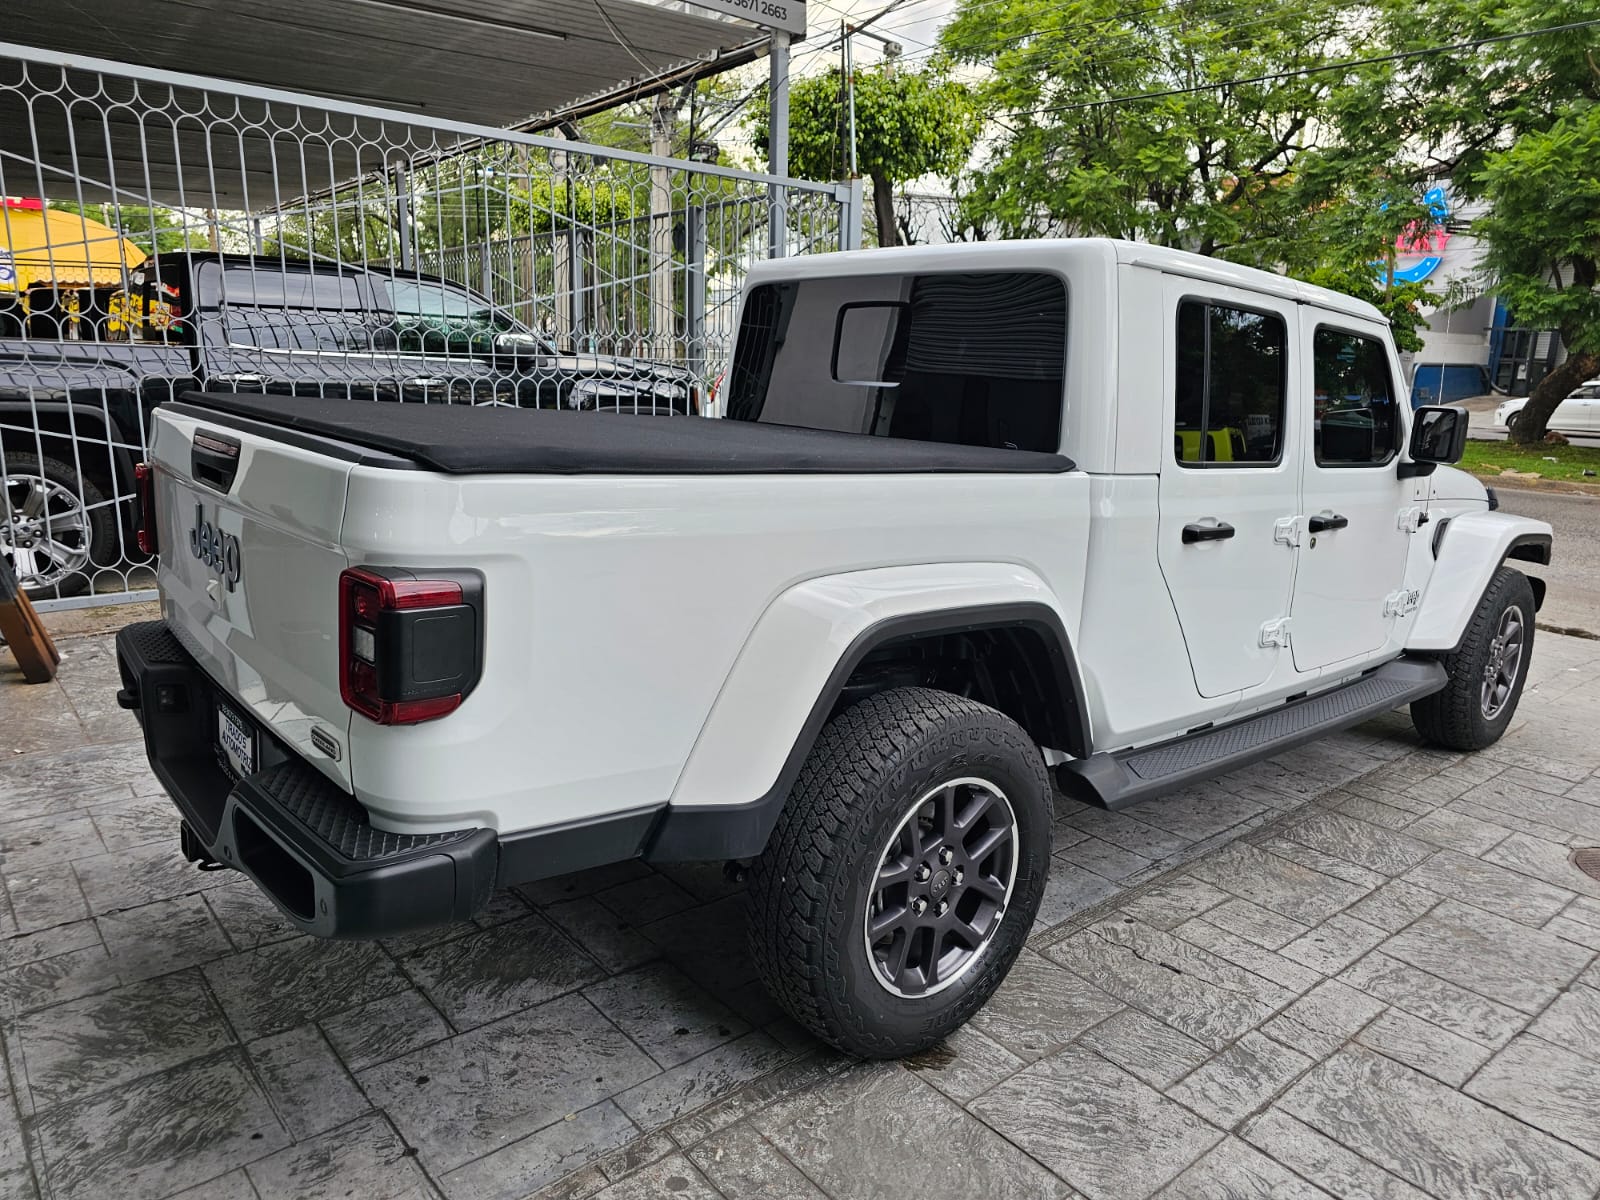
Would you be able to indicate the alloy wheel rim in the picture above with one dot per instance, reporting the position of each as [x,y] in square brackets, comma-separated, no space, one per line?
[44,531]
[1505,660]
[943,886]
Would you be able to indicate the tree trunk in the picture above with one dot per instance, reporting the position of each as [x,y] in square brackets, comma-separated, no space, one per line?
[883,210]
[1529,425]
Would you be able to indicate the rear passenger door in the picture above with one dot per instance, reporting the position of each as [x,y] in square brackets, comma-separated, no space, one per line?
[1355,544]
[1228,479]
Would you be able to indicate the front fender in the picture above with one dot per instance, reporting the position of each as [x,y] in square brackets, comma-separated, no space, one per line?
[1468,551]
[783,683]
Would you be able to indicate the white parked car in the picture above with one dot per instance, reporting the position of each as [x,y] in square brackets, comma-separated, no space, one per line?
[1578,413]
[980,518]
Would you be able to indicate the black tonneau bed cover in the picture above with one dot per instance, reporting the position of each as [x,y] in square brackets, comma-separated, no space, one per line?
[460,439]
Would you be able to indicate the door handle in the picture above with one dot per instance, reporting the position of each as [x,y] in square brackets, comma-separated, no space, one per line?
[1207,533]
[1334,521]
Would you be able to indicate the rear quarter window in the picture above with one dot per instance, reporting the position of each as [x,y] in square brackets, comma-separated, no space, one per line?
[972,358]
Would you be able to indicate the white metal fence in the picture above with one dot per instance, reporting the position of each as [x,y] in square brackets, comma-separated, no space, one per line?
[164,232]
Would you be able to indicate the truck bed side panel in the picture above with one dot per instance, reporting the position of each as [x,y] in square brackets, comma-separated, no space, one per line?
[617,607]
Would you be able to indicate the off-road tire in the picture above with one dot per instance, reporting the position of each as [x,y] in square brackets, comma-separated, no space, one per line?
[809,889]
[1454,717]
[99,516]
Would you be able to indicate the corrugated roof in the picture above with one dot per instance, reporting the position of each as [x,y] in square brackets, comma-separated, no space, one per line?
[492,63]
[486,61]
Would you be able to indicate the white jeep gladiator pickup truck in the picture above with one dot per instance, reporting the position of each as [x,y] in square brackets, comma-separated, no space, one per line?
[975,515]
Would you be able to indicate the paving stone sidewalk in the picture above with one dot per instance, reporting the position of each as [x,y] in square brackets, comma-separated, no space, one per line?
[1363,969]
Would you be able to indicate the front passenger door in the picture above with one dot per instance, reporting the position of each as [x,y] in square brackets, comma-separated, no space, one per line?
[1354,542]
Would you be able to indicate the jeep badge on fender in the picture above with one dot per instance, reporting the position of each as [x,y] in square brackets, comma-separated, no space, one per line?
[218,550]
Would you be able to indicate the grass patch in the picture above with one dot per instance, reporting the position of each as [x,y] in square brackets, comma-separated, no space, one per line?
[1488,459]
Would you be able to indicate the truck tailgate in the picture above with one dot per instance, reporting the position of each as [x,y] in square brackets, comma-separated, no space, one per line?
[249,573]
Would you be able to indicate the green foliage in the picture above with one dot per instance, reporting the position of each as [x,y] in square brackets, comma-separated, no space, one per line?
[1542,233]
[1488,459]
[151,229]
[1513,124]
[540,205]
[1208,170]
[1402,303]
[351,230]
[908,124]
[1445,115]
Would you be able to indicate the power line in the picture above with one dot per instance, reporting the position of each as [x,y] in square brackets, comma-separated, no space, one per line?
[1051,37]
[1298,72]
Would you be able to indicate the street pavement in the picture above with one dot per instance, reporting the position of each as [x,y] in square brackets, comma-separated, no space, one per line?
[1573,576]
[1364,968]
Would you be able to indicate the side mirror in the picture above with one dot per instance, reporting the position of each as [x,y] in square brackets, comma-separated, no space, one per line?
[1438,435]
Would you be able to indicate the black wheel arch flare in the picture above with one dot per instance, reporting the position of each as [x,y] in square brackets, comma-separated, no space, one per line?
[734,831]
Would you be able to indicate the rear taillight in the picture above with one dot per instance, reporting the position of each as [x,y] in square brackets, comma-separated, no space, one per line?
[144,484]
[410,649]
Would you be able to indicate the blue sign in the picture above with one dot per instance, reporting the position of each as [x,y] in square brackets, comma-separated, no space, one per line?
[1419,250]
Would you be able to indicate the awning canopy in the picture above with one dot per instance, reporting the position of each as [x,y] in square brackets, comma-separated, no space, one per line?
[53,246]
[490,63]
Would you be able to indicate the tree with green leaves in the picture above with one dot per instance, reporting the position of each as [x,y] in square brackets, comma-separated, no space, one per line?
[908,124]
[1173,124]
[1511,123]
[1542,248]
[1347,229]
[153,230]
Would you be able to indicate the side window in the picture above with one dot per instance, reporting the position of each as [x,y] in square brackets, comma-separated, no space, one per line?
[975,358]
[290,309]
[1355,413]
[1231,386]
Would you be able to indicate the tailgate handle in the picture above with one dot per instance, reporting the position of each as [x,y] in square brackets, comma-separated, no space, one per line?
[214,459]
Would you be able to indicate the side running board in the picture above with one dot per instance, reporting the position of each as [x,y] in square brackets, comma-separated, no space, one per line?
[1116,780]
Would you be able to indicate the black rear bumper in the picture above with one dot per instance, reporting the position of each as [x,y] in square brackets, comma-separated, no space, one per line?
[305,841]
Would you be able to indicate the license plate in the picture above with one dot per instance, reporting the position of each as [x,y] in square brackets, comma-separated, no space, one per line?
[237,741]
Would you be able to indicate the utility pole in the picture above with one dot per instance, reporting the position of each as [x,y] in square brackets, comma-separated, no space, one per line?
[850,95]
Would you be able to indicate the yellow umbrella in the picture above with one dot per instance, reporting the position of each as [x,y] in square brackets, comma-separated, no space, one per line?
[39,244]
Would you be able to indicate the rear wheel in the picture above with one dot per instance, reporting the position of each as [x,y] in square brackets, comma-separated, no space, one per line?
[54,527]
[904,873]
[1487,671]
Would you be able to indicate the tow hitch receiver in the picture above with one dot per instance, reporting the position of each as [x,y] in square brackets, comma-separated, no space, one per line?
[195,852]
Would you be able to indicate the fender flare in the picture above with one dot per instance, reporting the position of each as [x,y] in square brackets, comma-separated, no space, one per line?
[1468,549]
[737,826]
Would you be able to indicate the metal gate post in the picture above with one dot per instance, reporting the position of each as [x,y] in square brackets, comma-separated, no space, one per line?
[561,244]
[694,288]
[778,145]
[408,246]
[852,196]
[663,313]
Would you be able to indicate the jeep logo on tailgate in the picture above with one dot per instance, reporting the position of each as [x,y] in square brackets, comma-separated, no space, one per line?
[218,550]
